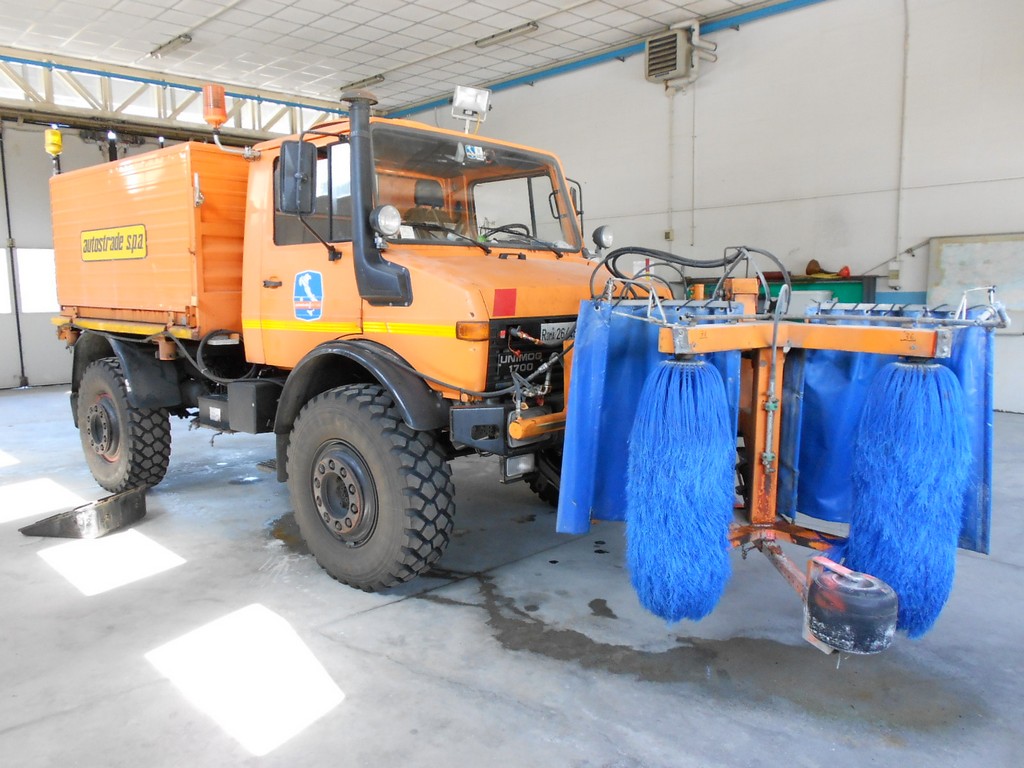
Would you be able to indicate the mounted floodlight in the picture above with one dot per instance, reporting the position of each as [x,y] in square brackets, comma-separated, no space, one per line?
[470,104]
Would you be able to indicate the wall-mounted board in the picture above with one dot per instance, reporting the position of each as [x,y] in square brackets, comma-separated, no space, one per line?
[960,263]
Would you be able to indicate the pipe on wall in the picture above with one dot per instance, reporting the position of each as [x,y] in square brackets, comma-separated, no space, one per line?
[16,305]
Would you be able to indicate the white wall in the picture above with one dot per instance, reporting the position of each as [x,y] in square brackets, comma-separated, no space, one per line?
[812,137]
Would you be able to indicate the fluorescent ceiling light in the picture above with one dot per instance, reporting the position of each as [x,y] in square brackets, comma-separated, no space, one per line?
[508,34]
[229,669]
[366,82]
[170,46]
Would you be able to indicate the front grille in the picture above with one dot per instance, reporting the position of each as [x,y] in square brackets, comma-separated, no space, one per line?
[507,353]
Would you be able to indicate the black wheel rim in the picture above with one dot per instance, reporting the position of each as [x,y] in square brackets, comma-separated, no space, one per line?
[104,428]
[344,493]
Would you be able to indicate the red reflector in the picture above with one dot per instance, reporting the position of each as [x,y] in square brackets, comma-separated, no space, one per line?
[505,301]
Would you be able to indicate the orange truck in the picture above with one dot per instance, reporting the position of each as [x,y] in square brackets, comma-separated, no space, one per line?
[381,295]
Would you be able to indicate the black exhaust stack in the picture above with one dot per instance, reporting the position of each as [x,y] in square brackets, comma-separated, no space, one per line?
[381,282]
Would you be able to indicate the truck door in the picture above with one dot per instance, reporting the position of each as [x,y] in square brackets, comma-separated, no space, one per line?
[306,297]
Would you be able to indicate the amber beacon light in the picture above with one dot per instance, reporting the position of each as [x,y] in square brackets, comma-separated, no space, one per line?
[215,111]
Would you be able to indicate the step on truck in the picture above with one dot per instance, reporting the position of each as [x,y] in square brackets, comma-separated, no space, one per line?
[381,295]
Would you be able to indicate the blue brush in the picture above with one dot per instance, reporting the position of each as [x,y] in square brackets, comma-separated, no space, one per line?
[913,455]
[679,501]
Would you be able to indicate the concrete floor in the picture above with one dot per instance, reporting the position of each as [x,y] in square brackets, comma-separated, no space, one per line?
[525,648]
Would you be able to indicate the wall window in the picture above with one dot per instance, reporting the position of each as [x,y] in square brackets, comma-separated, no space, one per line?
[37,280]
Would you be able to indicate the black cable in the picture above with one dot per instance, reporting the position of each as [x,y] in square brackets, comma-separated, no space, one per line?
[555,357]
[610,262]
[731,258]
[204,370]
[785,272]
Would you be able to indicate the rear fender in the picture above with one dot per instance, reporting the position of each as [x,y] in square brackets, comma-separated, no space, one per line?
[150,382]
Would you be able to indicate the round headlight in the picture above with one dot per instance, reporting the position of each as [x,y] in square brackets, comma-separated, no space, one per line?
[603,237]
[386,220]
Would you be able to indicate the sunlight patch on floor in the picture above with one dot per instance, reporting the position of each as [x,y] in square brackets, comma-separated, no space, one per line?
[35,498]
[252,674]
[95,566]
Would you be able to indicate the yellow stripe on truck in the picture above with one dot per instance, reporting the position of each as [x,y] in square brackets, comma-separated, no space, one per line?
[411,329]
[124,326]
[302,325]
[316,326]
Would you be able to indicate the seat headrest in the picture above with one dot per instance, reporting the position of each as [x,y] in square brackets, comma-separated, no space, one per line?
[429,192]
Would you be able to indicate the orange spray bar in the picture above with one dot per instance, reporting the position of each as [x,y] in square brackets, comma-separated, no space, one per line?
[703,339]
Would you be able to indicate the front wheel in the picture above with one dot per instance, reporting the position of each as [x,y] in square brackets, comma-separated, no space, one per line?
[124,447]
[546,481]
[373,499]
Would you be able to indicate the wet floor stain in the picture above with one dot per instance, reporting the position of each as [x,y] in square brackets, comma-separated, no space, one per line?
[447,574]
[247,480]
[525,519]
[888,690]
[286,530]
[599,608]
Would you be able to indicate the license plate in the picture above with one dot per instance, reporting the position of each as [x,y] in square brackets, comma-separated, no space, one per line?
[552,332]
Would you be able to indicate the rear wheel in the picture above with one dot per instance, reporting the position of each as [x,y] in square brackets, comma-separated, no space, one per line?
[373,499]
[124,447]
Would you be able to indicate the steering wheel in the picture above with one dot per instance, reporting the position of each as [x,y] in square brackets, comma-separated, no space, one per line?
[511,229]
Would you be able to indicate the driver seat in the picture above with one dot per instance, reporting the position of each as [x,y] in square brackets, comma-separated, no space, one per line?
[428,197]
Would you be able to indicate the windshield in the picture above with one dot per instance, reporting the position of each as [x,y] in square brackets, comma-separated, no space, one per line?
[456,189]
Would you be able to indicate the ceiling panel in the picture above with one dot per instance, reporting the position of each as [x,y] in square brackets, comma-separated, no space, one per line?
[311,48]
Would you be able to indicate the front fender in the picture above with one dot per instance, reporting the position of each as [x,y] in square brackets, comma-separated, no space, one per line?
[352,361]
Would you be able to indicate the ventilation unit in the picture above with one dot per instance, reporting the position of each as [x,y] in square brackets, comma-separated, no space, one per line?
[668,56]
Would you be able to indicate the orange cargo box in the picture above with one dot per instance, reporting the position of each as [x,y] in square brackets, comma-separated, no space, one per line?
[152,242]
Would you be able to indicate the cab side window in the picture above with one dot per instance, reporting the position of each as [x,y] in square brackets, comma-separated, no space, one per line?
[332,219]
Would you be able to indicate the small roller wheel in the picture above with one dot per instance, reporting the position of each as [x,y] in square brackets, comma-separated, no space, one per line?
[853,613]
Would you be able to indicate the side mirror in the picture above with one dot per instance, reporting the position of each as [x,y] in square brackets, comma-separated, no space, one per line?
[296,178]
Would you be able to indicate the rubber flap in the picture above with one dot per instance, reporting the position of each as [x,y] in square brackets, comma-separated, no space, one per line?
[824,394]
[615,350]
